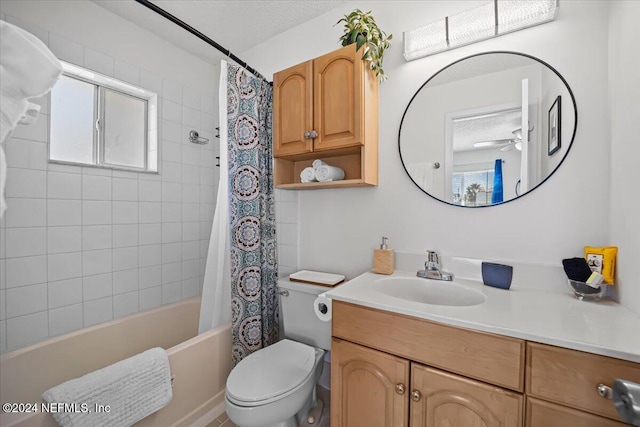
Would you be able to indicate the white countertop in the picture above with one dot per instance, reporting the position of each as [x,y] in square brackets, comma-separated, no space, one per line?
[540,315]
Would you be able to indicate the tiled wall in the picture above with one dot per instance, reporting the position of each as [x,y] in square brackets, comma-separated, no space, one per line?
[287,231]
[82,245]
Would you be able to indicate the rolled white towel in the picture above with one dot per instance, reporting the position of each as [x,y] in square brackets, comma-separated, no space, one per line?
[308,175]
[326,173]
[317,163]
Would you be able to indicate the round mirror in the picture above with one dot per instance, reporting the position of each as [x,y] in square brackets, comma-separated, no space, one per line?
[487,129]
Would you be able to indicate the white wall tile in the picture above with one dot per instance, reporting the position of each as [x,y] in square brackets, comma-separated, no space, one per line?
[3,305]
[150,234]
[190,250]
[64,239]
[287,234]
[171,172]
[66,49]
[125,174]
[151,81]
[98,311]
[26,183]
[23,242]
[98,61]
[125,189]
[64,212]
[191,288]
[3,276]
[191,97]
[190,155]
[125,235]
[127,72]
[96,262]
[150,298]
[149,255]
[171,212]
[26,271]
[125,212]
[171,152]
[97,171]
[95,187]
[97,286]
[208,194]
[208,160]
[287,212]
[64,292]
[191,118]
[63,185]
[171,192]
[171,111]
[150,212]
[125,304]
[208,122]
[125,281]
[171,252]
[65,319]
[25,154]
[96,237]
[172,131]
[190,231]
[171,232]
[190,269]
[207,104]
[207,211]
[3,336]
[149,191]
[125,258]
[190,193]
[288,255]
[64,266]
[208,176]
[149,276]
[171,292]
[190,212]
[26,300]
[172,91]
[28,329]
[171,272]
[26,212]
[96,212]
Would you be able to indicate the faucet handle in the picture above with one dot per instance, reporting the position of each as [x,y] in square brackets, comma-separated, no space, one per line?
[433,259]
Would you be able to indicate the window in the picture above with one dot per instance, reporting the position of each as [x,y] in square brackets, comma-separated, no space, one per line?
[473,188]
[100,121]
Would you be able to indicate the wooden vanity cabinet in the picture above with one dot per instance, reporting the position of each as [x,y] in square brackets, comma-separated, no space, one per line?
[326,108]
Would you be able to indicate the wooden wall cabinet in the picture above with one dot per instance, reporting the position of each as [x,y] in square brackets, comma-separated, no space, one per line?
[326,108]
[389,370]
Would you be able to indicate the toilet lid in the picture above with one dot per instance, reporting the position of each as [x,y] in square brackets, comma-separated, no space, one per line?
[271,372]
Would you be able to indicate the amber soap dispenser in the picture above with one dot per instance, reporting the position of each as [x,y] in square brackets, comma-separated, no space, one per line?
[383,260]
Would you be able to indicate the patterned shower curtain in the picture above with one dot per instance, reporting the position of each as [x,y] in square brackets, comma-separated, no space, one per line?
[254,297]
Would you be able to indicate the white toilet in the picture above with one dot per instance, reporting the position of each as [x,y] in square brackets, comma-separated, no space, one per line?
[276,386]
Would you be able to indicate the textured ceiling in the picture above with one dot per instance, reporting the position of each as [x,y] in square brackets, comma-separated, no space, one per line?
[236,25]
[494,127]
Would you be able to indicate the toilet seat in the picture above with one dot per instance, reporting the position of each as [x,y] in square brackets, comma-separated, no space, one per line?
[271,373]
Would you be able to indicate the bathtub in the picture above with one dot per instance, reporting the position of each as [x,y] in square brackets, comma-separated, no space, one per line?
[200,364]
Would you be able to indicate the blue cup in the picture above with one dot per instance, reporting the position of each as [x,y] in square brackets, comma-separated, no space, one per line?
[497,275]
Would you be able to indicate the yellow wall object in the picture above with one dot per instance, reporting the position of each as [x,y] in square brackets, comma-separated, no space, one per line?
[602,260]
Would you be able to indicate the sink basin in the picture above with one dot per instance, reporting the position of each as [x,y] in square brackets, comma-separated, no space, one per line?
[428,291]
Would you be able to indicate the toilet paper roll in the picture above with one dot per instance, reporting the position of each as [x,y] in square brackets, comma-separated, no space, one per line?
[626,398]
[322,307]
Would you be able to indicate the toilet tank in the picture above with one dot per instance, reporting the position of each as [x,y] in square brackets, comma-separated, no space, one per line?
[298,318]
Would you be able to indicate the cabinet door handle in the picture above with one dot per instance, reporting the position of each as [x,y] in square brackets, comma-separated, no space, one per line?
[416,395]
[400,389]
[310,134]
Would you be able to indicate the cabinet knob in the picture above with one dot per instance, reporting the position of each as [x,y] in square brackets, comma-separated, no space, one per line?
[605,391]
[310,134]
[416,395]
[400,389]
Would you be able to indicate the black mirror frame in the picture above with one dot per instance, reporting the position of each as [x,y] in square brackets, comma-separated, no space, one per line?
[575,127]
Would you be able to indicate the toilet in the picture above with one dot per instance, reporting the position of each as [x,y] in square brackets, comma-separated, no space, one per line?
[276,386]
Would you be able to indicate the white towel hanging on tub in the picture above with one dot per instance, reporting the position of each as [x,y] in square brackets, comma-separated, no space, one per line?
[132,389]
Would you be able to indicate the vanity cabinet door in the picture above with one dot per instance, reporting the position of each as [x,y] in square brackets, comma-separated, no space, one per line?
[545,414]
[369,388]
[440,399]
[293,110]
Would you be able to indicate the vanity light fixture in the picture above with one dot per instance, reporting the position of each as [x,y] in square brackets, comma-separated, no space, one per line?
[490,20]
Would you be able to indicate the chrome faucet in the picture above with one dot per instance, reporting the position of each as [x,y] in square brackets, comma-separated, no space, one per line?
[433,270]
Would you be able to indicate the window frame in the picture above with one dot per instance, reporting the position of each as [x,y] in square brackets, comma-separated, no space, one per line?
[101,83]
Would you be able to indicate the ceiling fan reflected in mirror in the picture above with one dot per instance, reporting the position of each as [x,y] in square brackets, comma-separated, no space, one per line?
[504,144]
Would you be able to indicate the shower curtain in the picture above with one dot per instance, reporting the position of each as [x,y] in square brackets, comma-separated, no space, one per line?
[497,195]
[248,198]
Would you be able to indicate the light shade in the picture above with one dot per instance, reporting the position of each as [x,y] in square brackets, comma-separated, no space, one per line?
[481,23]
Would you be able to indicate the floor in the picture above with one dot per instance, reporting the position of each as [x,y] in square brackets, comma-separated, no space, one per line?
[222,420]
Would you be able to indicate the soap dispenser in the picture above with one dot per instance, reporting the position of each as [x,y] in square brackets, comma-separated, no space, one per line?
[383,259]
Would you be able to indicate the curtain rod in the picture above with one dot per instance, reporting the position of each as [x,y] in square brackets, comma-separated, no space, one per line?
[201,36]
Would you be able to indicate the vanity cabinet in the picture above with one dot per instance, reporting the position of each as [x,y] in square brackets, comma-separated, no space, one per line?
[389,369]
[326,108]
